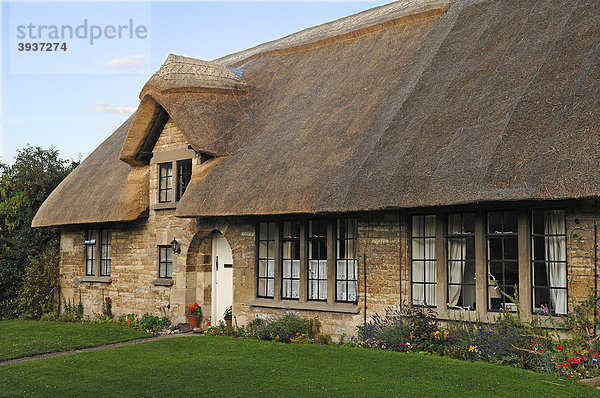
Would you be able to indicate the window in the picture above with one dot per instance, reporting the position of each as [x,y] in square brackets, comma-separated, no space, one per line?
[290,257]
[90,252]
[98,241]
[424,264]
[549,260]
[308,260]
[317,260]
[165,262]
[346,262]
[266,259]
[502,258]
[165,182]
[171,187]
[184,174]
[105,252]
[460,246]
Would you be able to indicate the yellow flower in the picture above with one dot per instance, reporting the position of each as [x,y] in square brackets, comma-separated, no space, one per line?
[472,348]
[437,334]
[446,334]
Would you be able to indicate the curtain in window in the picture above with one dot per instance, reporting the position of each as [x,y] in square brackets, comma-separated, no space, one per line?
[456,253]
[556,252]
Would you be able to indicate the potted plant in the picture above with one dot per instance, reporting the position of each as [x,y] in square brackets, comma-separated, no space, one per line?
[227,315]
[194,314]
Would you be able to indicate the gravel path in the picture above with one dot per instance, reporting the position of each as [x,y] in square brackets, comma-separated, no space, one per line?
[56,354]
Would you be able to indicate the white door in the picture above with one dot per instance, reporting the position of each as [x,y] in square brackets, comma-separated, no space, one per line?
[222,281]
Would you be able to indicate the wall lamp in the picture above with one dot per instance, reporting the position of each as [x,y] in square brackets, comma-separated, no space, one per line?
[175,246]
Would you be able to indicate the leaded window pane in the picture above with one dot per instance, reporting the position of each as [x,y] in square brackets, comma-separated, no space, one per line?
[423,262]
[267,250]
[502,258]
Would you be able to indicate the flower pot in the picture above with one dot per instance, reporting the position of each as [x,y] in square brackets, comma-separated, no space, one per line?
[228,321]
[193,320]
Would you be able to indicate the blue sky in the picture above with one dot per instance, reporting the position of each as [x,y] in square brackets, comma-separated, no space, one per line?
[74,99]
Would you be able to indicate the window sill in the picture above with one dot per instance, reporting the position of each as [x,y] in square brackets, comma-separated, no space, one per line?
[347,308]
[166,206]
[162,282]
[95,279]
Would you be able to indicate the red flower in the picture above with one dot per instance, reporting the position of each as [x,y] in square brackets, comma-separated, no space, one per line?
[207,323]
[559,346]
[542,350]
[191,309]
[195,304]
[579,351]
[589,350]
[595,354]
[231,306]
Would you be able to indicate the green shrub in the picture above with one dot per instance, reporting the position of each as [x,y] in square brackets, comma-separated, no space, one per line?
[72,312]
[146,322]
[49,316]
[582,320]
[285,328]
[9,309]
[103,319]
[324,339]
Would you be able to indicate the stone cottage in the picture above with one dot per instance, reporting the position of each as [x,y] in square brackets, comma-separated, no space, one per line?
[427,151]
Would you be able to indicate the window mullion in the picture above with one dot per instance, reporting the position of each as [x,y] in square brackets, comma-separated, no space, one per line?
[481,284]
[524,245]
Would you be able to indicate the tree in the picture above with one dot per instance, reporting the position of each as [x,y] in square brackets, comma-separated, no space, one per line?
[23,188]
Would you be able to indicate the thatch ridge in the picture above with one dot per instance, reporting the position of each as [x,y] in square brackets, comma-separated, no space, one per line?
[352,26]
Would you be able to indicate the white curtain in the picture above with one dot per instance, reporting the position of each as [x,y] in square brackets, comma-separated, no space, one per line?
[456,253]
[556,252]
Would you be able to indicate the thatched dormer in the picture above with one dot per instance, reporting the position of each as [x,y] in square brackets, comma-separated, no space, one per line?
[202,97]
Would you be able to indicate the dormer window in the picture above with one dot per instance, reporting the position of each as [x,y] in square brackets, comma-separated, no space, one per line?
[165,182]
[183,173]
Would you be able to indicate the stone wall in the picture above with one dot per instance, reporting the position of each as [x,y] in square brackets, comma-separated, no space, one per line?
[580,253]
[383,242]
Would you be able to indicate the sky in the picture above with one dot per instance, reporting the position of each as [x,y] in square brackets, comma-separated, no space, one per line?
[75,96]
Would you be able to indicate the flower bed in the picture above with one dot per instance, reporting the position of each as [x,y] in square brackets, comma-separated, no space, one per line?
[509,341]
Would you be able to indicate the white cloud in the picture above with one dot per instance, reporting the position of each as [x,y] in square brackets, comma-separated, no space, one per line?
[131,61]
[103,107]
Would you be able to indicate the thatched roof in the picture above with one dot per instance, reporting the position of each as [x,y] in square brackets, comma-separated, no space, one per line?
[100,189]
[417,103]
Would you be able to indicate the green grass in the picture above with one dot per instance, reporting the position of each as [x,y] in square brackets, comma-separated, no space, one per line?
[19,338]
[220,366]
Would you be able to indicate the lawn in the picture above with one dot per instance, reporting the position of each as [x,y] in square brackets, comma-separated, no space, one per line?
[20,338]
[222,366]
